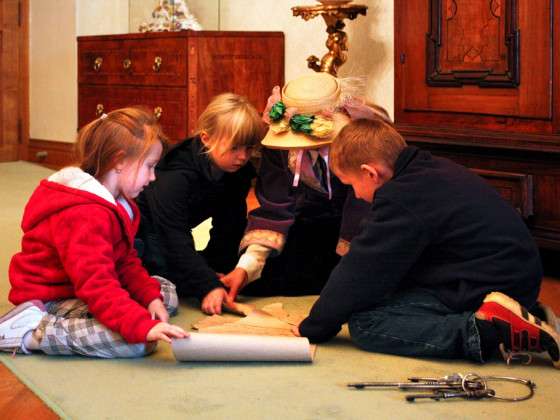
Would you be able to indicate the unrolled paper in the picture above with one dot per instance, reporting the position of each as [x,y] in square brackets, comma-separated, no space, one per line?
[242,348]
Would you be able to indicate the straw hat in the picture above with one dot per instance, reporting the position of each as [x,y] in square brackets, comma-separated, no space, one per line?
[309,94]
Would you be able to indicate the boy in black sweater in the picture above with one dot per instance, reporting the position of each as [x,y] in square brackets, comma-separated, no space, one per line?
[440,265]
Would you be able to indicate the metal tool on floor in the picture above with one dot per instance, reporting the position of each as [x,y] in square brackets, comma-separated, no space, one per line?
[469,386]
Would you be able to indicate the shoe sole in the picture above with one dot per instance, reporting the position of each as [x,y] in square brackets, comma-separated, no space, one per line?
[548,336]
[20,308]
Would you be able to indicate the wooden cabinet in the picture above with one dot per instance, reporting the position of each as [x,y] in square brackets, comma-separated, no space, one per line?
[478,81]
[176,73]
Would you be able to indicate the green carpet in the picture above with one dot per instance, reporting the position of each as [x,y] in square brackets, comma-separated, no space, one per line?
[158,387]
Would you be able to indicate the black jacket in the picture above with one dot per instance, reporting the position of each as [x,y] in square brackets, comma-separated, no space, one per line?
[437,226]
[188,189]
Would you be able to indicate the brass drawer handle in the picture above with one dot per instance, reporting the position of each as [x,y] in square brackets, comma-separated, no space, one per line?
[99,110]
[157,63]
[127,62]
[158,110]
[97,63]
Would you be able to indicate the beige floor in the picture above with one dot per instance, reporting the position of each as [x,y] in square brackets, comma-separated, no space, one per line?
[159,387]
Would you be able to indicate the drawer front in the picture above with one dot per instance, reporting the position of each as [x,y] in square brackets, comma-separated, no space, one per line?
[515,188]
[101,62]
[169,103]
[154,62]
[158,62]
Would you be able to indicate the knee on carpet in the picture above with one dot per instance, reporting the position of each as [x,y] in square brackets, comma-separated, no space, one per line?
[364,330]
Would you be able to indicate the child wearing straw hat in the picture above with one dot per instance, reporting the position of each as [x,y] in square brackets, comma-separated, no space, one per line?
[306,215]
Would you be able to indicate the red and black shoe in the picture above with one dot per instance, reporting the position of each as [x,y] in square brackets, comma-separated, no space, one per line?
[519,332]
[546,314]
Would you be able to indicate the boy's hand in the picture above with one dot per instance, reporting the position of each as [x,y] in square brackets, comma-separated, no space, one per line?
[158,311]
[212,302]
[235,281]
[165,332]
[295,330]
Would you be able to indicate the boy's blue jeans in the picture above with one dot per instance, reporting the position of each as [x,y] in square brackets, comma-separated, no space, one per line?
[416,323]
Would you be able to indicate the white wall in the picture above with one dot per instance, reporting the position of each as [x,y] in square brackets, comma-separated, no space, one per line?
[371,51]
[56,23]
[52,70]
[54,26]
[100,17]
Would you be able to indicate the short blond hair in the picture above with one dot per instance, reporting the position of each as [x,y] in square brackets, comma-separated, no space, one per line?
[230,121]
[365,141]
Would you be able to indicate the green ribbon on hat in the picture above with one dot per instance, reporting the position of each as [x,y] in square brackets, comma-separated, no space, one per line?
[277,111]
[302,123]
[313,125]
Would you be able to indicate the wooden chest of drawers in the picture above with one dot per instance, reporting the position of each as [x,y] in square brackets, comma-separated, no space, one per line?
[176,73]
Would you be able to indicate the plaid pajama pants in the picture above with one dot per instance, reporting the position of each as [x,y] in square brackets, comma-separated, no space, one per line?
[69,328]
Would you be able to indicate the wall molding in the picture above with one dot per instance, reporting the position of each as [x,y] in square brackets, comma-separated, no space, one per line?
[50,153]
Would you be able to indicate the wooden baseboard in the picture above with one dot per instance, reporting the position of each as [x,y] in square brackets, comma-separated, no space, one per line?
[52,154]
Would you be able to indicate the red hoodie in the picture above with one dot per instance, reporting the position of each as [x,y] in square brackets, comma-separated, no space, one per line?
[78,243]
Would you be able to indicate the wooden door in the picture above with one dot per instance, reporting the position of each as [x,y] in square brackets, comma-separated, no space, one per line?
[476,63]
[13,79]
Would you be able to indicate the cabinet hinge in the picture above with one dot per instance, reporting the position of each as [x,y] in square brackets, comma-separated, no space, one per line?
[19,13]
[403,58]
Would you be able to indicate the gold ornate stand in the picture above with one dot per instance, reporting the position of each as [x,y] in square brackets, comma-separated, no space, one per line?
[337,40]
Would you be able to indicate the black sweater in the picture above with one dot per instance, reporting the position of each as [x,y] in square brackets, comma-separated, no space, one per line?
[188,189]
[437,226]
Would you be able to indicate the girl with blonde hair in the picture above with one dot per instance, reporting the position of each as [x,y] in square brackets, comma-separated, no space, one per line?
[207,175]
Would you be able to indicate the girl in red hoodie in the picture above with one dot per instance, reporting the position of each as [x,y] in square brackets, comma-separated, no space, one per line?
[78,284]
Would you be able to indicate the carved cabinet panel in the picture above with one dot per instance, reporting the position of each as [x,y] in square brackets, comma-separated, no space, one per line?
[475,62]
[478,81]
[176,74]
[473,42]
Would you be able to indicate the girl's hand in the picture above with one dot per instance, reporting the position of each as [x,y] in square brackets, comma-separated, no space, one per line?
[235,281]
[274,97]
[165,332]
[158,311]
[212,302]
[295,330]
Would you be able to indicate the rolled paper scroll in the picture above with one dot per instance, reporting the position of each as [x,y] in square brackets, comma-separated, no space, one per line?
[199,347]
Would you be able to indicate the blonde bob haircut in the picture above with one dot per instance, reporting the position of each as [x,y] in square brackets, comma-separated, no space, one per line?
[230,121]
[365,141]
[126,133]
